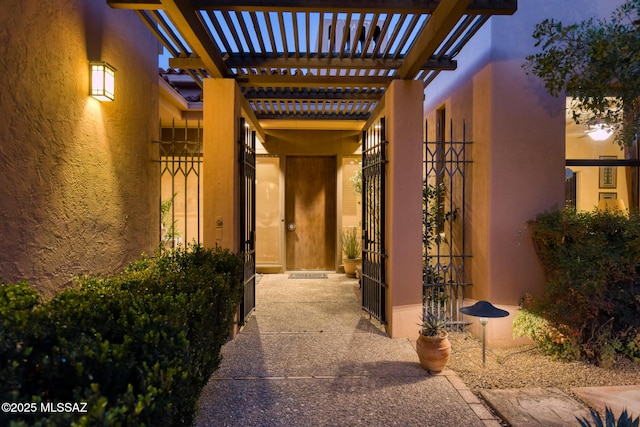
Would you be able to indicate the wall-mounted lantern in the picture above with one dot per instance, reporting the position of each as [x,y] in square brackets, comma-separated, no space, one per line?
[103,81]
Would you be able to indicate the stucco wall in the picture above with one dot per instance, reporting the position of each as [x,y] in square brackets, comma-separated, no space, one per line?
[518,150]
[78,188]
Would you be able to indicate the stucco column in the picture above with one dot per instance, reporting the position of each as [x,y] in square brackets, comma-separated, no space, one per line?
[403,104]
[220,171]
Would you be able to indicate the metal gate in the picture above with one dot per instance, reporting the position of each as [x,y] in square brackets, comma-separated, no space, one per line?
[180,158]
[444,245]
[374,160]
[247,161]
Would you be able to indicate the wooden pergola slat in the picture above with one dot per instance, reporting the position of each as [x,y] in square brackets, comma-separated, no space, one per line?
[283,35]
[394,34]
[219,30]
[272,39]
[245,33]
[346,36]
[152,25]
[256,28]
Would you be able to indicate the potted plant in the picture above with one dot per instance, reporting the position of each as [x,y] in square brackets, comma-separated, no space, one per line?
[352,250]
[170,236]
[433,346]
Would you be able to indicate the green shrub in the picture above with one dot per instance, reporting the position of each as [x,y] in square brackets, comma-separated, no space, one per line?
[138,347]
[592,265]
[549,338]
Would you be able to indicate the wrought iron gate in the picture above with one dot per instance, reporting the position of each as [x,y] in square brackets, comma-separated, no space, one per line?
[180,159]
[247,160]
[444,202]
[374,286]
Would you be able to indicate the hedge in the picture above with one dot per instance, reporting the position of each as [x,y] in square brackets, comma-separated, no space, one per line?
[137,347]
[591,303]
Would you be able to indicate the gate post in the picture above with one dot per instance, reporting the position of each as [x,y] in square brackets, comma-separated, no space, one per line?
[403,104]
[220,168]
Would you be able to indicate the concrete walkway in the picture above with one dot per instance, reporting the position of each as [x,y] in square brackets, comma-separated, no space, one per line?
[311,357]
[550,407]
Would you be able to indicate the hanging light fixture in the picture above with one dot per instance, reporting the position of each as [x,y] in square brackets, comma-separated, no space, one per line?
[103,81]
[600,132]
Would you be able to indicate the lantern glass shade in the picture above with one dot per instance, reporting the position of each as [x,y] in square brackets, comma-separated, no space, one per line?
[103,81]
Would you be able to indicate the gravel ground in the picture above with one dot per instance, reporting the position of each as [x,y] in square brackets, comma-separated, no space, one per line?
[526,366]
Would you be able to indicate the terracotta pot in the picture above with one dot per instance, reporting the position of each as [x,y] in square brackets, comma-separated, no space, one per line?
[350,265]
[433,352]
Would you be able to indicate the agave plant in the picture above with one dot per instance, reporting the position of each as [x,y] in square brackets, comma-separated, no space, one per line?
[432,326]
[625,420]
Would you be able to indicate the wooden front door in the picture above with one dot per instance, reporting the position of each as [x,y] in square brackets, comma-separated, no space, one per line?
[310,212]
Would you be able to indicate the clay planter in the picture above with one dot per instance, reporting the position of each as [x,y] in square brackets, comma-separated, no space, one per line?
[433,352]
[350,265]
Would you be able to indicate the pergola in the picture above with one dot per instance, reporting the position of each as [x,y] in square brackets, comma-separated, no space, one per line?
[314,59]
[311,65]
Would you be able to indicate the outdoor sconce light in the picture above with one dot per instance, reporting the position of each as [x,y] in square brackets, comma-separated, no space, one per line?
[484,310]
[103,81]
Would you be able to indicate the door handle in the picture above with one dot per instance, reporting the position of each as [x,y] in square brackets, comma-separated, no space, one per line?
[291,226]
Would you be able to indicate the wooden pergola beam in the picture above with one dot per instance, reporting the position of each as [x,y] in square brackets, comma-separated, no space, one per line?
[188,23]
[312,116]
[435,31]
[237,61]
[476,7]
[196,63]
[300,81]
[313,95]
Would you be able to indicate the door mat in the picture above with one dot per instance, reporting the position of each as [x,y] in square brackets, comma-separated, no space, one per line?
[308,276]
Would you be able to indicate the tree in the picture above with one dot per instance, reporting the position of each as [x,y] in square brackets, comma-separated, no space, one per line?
[597,63]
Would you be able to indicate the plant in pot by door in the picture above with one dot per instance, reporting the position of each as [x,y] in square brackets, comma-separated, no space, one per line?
[170,236]
[352,249]
[433,346]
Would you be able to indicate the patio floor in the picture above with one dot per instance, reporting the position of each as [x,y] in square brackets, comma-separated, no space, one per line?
[310,356]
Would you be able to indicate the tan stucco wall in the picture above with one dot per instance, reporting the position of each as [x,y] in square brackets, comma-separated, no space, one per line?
[518,159]
[78,188]
[518,153]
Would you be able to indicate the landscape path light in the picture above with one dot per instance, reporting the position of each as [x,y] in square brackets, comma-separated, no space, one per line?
[484,310]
